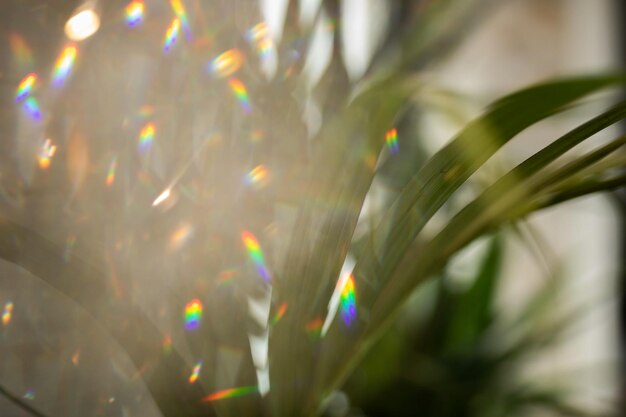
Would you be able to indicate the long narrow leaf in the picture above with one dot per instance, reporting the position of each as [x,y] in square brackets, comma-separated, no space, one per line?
[429,189]
[502,197]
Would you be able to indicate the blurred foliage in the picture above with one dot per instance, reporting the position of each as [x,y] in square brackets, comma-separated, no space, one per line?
[455,359]
[322,178]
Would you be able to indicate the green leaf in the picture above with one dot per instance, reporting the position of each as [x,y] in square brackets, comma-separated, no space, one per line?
[582,189]
[472,315]
[427,191]
[340,177]
[433,185]
[498,203]
[506,194]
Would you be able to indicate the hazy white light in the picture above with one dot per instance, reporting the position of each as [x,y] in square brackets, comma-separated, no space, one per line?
[263,378]
[274,12]
[162,197]
[82,25]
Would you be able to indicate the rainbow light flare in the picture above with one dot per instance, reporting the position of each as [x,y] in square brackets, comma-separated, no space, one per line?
[259,36]
[348,301]
[63,65]
[25,86]
[180,236]
[280,313]
[146,136]
[230,393]
[255,253]
[265,47]
[226,63]
[171,35]
[392,140]
[193,314]
[134,12]
[258,31]
[7,313]
[46,153]
[181,14]
[241,94]
[111,173]
[257,176]
[31,105]
[195,373]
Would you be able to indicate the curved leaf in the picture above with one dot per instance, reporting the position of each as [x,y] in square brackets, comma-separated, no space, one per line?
[501,202]
[427,191]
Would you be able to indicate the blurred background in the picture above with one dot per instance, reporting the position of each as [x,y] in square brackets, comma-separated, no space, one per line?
[543,297]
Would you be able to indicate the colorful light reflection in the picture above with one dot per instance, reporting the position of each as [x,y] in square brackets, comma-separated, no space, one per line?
[111,173]
[259,36]
[257,176]
[226,63]
[146,136]
[193,314]
[280,313]
[134,12]
[348,301]
[63,65]
[7,313]
[181,14]
[255,253]
[25,86]
[171,35]
[31,106]
[46,152]
[241,94]
[392,141]
[230,393]
[195,373]
[180,236]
